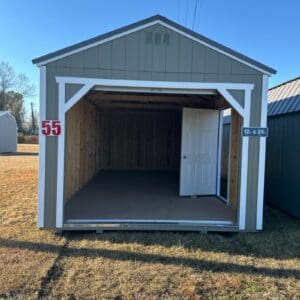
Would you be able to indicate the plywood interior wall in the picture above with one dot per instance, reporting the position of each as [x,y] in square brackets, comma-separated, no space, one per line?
[118,140]
[140,140]
[82,147]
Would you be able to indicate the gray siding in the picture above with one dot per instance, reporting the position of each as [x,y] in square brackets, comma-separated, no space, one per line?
[131,57]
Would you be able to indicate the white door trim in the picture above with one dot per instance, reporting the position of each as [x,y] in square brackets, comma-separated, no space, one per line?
[186,189]
[42,150]
[220,134]
[151,87]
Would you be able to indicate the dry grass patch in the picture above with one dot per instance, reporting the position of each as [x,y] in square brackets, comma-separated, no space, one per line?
[136,265]
[24,257]
[176,265]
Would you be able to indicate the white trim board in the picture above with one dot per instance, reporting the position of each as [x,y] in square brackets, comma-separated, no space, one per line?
[262,155]
[42,150]
[155,86]
[244,164]
[151,87]
[46,61]
[61,157]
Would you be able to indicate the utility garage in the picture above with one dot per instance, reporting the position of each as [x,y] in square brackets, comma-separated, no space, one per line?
[131,132]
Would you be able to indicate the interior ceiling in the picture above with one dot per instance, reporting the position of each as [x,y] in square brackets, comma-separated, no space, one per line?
[106,100]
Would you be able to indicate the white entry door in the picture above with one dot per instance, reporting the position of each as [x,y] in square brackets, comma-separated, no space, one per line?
[199,152]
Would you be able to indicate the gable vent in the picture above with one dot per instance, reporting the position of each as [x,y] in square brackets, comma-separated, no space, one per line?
[166,39]
[149,37]
[157,38]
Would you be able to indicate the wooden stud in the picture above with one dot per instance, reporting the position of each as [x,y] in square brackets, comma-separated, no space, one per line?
[235,138]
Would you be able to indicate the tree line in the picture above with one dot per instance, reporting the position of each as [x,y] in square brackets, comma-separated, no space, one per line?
[14,88]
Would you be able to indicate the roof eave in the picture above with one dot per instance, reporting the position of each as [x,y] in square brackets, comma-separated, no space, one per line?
[43,60]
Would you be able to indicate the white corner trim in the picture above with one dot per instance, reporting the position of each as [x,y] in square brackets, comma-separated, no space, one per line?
[46,61]
[224,92]
[60,158]
[79,94]
[42,150]
[262,155]
[150,87]
[244,164]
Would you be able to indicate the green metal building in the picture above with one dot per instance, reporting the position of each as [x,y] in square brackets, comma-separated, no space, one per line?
[282,185]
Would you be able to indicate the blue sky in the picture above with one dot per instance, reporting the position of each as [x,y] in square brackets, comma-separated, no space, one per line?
[266,30]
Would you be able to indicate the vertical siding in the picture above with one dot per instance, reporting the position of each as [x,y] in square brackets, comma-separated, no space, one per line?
[283,163]
[71,90]
[51,149]
[130,57]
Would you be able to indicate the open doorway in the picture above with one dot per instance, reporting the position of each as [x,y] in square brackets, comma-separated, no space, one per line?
[133,158]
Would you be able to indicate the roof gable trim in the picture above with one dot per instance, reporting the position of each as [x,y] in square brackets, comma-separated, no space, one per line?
[43,60]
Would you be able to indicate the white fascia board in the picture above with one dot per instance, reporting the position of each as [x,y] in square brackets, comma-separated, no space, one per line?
[96,43]
[145,26]
[215,48]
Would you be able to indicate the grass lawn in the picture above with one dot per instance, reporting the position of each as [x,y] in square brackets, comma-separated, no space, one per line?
[136,265]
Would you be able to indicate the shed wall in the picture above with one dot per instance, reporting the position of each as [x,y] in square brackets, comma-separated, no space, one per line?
[131,57]
[283,162]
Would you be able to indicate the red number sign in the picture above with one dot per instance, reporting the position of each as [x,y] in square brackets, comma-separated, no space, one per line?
[51,127]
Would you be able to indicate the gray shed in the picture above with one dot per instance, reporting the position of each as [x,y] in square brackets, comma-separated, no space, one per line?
[131,127]
[283,147]
[8,132]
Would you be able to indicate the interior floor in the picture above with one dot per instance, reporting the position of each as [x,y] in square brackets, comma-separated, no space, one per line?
[142,195]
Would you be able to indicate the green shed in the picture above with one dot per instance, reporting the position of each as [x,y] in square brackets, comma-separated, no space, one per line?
[282,187]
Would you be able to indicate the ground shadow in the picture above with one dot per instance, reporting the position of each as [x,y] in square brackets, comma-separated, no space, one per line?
[121,255]
[280,239]
[19,154]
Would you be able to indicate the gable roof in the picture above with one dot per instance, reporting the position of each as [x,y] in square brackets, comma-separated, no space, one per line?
[157,19]
[3,112]
[284,98]
[6,112]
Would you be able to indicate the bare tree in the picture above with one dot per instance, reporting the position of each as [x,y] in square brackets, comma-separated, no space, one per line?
[15,104]
[13,90]
[7,81]
[33,119]
[23,86]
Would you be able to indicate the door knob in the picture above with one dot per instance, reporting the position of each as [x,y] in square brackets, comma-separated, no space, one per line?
[184,156]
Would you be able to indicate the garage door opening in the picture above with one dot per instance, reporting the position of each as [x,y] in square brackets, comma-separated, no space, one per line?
[133,158]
